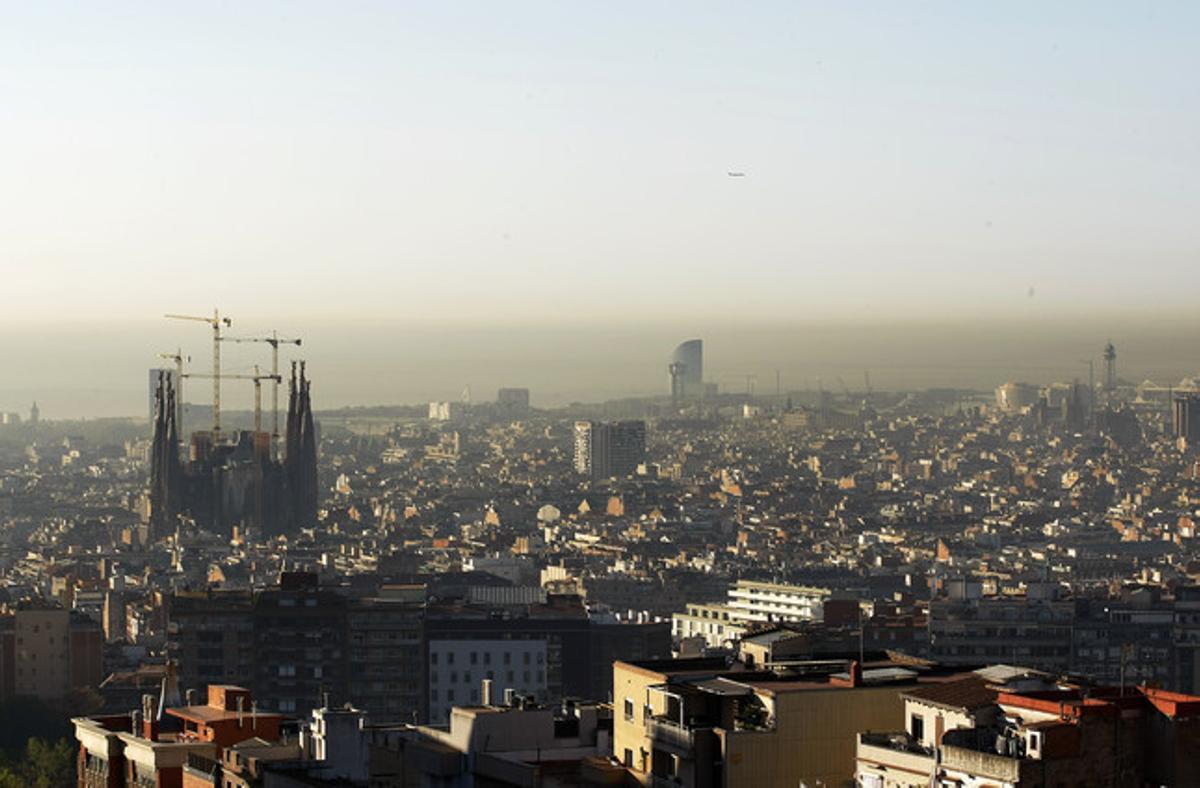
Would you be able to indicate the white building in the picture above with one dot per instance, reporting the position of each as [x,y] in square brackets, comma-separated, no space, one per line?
[457,668]
[762,602]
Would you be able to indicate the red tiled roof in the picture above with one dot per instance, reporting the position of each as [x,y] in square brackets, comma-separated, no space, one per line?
[1172,704]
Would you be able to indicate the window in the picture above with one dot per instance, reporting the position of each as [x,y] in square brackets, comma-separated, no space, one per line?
[474,657]
[449,657]
[916,727]
[433,657]
[628,759]
[629,715]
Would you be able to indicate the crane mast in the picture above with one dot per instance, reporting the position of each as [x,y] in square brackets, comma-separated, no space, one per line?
[274,341]
[216,321]
[257,378]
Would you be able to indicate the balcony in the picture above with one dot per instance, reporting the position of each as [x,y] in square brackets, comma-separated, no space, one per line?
[670,735]
[895,751]
[897,742]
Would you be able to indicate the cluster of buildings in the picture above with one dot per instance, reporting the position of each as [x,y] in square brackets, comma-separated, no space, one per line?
[704,588]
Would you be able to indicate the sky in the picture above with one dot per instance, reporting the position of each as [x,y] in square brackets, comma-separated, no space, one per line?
[390,173]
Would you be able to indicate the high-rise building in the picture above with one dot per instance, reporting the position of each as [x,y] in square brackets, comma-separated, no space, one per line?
[607,449]
[1187,417]
[686,370]
[512,401]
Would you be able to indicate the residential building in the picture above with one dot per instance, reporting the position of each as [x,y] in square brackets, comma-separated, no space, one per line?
[607,449]
[700,722]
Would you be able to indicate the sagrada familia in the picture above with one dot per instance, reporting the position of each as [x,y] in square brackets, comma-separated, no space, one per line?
[223,485]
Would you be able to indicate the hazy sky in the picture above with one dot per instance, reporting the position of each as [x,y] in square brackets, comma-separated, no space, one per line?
[448,163]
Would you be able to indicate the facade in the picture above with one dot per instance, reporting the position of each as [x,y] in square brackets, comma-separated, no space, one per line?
[1012,397]
[385,648]
[237,483]
[46,652]
[761,602]
[177,746]
[908,759]
[297,642]
[607,449]
[446,410]
[716,624]
[512,401]
[968,627]
[987,733]
[1186,418]
[457,668]
[698,722]
[687,370]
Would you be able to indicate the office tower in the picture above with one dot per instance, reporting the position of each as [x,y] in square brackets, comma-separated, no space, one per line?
[1187,417]
[686,370]
[606,449]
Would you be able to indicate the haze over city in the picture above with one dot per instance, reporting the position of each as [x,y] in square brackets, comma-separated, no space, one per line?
[382,164]
[591,395]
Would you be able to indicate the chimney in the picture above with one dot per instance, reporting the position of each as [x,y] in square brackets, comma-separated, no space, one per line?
[240,714]
[855,674]
[486,693]
[254,715]
[510,696]
[191,697]
[149,720]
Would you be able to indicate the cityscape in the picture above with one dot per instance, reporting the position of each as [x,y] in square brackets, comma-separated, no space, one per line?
[564,395]
[706,587]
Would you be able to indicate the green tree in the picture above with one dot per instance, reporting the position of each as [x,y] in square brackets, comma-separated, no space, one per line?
[45,765]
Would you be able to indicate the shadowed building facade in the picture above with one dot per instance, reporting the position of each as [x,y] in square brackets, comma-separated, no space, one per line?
[234,483]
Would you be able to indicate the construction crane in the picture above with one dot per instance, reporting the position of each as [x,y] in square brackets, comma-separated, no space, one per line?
[274,341]
[178,358]
[258,377]
[845,388]
[216,321]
